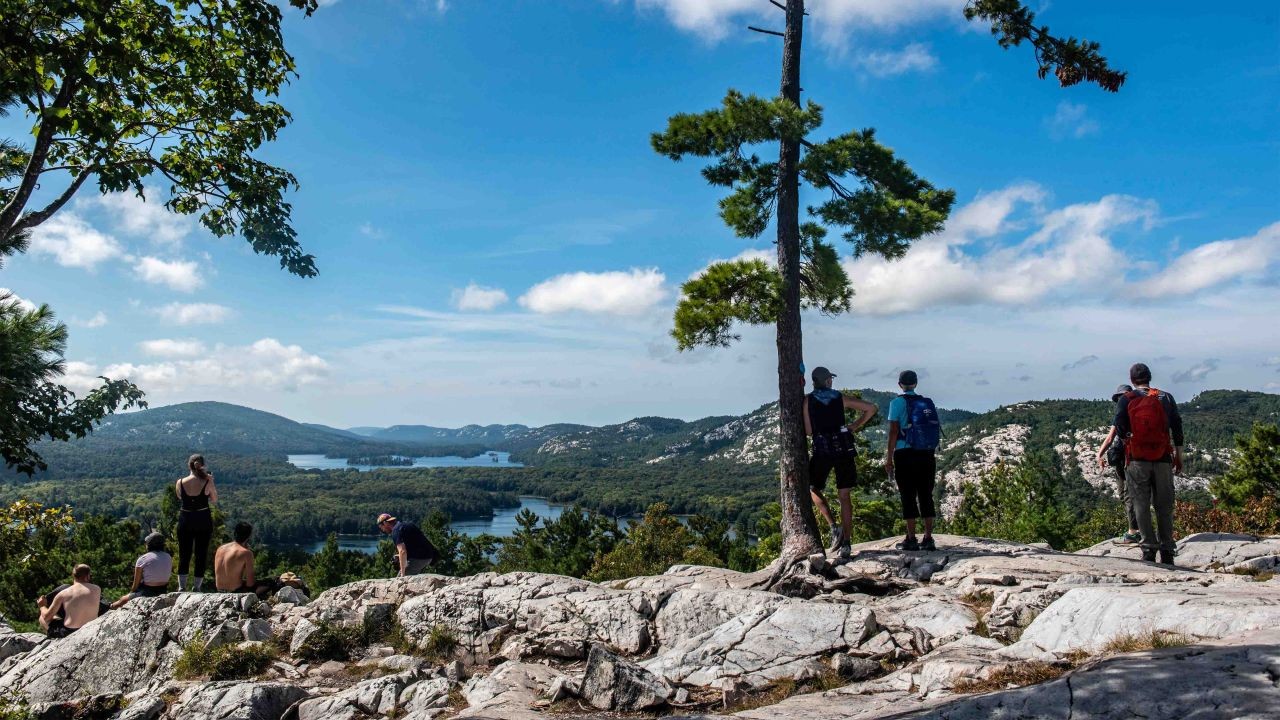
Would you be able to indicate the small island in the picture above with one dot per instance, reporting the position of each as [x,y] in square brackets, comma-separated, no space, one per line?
[381,460]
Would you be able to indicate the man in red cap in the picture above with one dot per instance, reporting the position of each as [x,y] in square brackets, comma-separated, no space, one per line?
[414,551]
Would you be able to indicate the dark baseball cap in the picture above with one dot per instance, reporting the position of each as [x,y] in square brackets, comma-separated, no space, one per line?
[1120,391]
[821,374]
[908,377]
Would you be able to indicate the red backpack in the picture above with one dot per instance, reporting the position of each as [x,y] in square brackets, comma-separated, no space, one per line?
[1149,427]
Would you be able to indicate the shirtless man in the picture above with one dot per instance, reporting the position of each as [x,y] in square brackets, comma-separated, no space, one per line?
[233,563]
[79,603]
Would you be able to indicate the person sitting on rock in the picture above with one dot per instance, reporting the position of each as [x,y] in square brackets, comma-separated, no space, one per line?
[150,573]
[77,604]
[833,449]
[233,563]
[1112,453]
[414,552]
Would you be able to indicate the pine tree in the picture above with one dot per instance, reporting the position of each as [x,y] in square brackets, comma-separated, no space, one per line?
[878,203]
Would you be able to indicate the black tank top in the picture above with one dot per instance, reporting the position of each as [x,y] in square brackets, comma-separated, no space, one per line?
[825,417]
[194,503]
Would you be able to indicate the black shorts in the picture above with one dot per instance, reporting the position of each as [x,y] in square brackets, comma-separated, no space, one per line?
[820,466]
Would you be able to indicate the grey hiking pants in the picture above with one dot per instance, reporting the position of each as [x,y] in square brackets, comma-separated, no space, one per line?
[1122,490]
[1151,483]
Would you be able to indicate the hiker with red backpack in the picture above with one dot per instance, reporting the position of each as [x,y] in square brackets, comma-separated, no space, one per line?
[1147,418]
[914,433]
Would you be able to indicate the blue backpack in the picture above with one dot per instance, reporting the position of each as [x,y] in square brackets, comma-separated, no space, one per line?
[923,431]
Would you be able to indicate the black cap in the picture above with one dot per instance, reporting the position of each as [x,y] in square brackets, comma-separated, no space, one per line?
[1121,390]
[908,377]
[821,374]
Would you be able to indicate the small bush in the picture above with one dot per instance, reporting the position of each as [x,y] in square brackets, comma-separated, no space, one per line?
[13,706]
[225,662]
[330,642]
[1150,640]
[1028,673]
[440,643]
[1255,573]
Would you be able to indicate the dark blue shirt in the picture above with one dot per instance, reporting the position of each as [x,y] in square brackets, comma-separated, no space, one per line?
[416,545]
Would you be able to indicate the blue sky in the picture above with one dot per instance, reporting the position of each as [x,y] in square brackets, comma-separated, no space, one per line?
[498,243]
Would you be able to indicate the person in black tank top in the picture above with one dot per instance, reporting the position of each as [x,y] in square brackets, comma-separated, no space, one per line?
[833,449]
[195,523]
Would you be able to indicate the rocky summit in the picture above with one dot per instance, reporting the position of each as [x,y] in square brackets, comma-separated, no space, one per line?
[978,629]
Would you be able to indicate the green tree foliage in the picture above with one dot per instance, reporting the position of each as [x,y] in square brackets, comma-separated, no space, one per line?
[32,404]
[651,546]
[889,207]
[119,91]
[1025,501]
[1070,60]
[1255,470]
[568,545]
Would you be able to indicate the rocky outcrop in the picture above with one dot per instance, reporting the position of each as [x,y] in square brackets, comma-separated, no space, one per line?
[127,649]
[906,634]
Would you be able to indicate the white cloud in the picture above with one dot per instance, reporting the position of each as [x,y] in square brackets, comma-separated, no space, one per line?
[193,313]
[264,365]
[73,242]
[1196,373]
[371,231]
[915,57]
[832,20]
[616,293]
[12,296]
[1213,264]
[98,320]
[1063,255]
[476,297]
[172,348]
[1071,120]
[145,218]
[179,275]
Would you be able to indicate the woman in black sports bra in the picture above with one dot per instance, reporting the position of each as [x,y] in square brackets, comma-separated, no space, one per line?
[195,521]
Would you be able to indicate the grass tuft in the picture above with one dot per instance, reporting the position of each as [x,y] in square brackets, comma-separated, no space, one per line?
[1255,573]
[1020,675]
[225,662]
[1149,640]
[331,642]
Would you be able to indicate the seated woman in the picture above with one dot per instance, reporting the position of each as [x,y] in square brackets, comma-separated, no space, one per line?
[151,572]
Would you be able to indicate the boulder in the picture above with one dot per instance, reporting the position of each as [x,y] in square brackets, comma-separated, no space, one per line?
[289,594]
[765,644]
[938,613]
[127,649]
[854,668]
[690,612]
[614,683]
[1086,618]
[144,708]
[14,643]
[532,614]
[236,700]
[507,692]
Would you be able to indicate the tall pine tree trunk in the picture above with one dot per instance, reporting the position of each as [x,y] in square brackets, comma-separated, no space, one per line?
[799,528]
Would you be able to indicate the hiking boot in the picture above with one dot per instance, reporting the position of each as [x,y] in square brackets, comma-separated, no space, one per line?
[1149,555]
[844,549]
[1129,538]
[910,544]
[1166,559]
[837,540]
[928,544]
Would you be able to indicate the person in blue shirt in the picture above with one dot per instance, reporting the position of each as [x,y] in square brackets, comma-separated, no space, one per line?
[914,470]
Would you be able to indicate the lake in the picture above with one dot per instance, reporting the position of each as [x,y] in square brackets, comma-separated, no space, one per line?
[502,524]
[487,459]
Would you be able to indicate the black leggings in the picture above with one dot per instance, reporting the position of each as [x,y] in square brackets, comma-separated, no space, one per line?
[195,529]
[914,472]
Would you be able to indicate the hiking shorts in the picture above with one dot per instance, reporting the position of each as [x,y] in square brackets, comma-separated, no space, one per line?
[820,466]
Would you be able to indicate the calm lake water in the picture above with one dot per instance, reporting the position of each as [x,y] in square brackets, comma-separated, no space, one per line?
[488,459]
[502,524]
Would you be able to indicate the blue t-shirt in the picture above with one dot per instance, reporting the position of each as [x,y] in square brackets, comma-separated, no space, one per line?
[416,545]
[898,414]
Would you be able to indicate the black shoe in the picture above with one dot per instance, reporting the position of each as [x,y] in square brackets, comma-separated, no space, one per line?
[928,544]
[910,544]
[1149,555]
[1166,559]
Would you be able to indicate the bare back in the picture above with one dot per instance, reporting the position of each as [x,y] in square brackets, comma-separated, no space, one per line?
[233,567]
[79,603]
